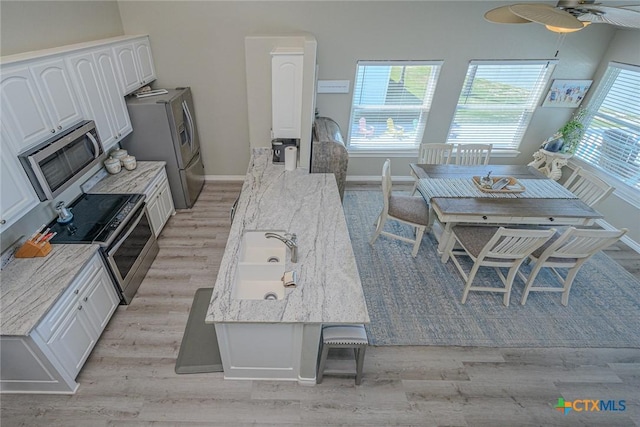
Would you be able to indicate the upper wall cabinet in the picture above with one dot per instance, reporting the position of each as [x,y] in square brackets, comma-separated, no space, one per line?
[38,101]
[96,78]
[286,92]
[135,64]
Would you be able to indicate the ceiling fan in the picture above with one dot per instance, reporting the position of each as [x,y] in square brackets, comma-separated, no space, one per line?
[567,16]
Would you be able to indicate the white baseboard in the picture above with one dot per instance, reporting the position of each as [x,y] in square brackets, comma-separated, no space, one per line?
[224,177]
[625,239]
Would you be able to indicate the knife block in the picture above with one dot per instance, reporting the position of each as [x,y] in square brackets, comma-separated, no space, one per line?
[32,250]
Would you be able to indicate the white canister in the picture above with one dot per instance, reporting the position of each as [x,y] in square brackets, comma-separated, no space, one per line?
[113,165]
[129,163]
[119,154]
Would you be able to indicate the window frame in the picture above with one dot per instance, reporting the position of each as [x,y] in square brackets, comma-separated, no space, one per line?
[584,157]
[357,146]
[526,109]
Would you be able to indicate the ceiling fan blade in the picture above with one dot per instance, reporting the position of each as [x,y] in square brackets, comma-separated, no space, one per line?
[622,17]
[503,15]
[547,15]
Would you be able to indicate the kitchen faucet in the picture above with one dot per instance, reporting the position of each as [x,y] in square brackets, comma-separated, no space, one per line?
[289,240]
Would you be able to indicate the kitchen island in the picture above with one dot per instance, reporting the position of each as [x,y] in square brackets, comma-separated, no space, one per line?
[279,339]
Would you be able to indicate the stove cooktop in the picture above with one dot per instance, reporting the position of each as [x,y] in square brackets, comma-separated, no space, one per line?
[95,218]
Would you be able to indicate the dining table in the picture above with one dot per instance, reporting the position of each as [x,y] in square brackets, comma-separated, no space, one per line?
[454,198]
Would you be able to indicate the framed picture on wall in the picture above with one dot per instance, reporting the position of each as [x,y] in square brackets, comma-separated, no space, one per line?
[566,93]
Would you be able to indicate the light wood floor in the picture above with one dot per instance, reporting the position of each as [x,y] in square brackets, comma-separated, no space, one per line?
[129,379]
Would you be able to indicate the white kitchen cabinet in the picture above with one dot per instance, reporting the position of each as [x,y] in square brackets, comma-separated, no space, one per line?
[17,195]
[96,79]
[80,319]
[135,64]
[286,92]
[51,356]
[38,101]
[159,202]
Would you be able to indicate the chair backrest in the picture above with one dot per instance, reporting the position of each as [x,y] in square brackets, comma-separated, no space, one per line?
[588,187]
[435,154]
[386,183]
[473,154]
[514,244]
[576,245]
[362,123]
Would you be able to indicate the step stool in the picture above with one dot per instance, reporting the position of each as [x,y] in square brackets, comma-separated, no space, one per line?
[343,336]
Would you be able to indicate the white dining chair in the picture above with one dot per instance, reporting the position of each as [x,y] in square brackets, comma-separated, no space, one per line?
[569,250]
[404,209]
[494,247]
[588,187]
[432,154]
[473,154]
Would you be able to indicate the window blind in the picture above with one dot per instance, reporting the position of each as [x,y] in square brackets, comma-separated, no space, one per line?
[391,102]
[497,101]
[611,141]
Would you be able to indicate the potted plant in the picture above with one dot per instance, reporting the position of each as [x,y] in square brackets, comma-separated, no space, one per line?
[572,132]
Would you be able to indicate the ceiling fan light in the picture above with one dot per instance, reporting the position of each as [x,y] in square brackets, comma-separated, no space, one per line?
[564,30]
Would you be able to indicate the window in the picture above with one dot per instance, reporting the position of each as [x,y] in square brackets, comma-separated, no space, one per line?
[391,101]
[497,101]
[611,141]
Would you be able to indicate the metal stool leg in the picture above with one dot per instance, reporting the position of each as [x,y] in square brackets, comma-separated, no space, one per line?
[323,362]
[360,363]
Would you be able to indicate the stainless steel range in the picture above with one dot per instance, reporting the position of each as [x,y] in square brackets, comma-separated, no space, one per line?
[119,224]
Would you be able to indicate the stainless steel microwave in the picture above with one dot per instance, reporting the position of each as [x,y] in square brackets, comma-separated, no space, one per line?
[59,162]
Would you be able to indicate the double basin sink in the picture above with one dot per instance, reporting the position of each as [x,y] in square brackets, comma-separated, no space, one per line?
[261,267]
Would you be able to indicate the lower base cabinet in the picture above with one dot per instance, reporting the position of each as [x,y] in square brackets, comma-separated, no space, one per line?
[51,356]
[159,202]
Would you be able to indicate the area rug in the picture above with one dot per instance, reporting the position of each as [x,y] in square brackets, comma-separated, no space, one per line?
[416,301]
[199,350]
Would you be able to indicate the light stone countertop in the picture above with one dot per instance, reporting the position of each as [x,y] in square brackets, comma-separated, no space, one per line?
[135,181]
[31,286]
[328,287]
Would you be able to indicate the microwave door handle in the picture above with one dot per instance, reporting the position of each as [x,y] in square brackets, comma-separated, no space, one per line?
[96,147]
[187,113]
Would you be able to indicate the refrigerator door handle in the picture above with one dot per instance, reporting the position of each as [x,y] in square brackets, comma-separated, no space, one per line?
[187,113]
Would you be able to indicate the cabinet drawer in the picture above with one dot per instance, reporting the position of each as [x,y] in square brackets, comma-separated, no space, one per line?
[69,298]
[155,186]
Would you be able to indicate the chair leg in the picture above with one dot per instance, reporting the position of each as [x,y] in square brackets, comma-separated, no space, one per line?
[470,278]
[530,280]
[416,245]
[509,284]
[381,220]
[568,281]
[360,364]
[415,187]
[323,362]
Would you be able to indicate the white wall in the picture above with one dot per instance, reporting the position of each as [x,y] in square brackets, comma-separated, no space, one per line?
[34,25]
[201,44]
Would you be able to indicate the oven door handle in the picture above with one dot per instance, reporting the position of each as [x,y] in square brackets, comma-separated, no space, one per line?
[96,147]
[132,227]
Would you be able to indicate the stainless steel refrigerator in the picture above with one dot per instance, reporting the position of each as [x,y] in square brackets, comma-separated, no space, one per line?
[164,128]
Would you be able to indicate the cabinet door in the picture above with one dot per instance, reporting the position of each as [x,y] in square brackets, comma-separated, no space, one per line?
[24,114]
[73,341]
[166,200]
[128,67]
[154,209]
[87,79]
[286,95]
[57,92]
[145,61]
[17,196]
[107,69]
[100,301]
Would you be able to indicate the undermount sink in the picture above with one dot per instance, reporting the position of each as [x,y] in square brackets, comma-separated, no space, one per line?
[260,267]
[256,248]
